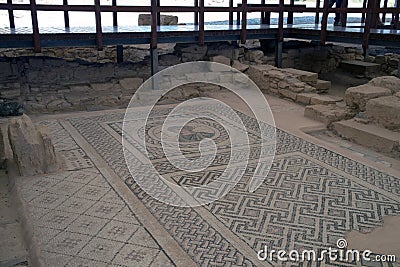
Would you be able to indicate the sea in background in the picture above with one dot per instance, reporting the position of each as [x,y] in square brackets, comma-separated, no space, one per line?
[82,19]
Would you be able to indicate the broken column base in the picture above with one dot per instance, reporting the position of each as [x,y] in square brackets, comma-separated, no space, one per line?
[29,146]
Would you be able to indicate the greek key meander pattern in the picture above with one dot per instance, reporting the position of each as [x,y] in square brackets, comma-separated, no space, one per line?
[301,205]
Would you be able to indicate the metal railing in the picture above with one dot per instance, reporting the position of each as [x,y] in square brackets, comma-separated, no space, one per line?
[370,12]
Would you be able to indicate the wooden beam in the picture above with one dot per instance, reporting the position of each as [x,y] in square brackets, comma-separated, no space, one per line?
[35,27]
[279,36]
[343,15]
[153,44]
[11,14]
[290,14]
[196,13]
[367,28]
[120,54]
[262,19]
[201,22]
[158,13]
[363,13]
[115,14]
[244,22]
[231,13]
[324,22]
[66,15]
[385,4]
[99,31]
[317,5]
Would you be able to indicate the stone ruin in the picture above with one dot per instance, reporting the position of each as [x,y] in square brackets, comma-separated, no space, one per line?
[27,145]
[369,116]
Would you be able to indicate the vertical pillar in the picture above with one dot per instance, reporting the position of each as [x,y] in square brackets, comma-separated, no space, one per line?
[244,22]
[230,12]
[120,54]
[154,60]
[278,53]
[99,31]
[35,27]
[11,14]
[367,28]
[324,22]
[196,14]
[343,15]
[317,5]
[290,14]
[115,15]
[66,15]
[201,22]
[279,36]
[153,43]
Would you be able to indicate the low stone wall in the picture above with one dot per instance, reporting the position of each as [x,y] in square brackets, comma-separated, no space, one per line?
[48,84]
[132,53]
[389,62]
[319,59]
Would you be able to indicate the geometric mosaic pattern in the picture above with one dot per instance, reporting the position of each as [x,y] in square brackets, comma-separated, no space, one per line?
[310,198]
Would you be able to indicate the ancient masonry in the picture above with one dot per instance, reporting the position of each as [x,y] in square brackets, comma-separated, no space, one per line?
[82,79]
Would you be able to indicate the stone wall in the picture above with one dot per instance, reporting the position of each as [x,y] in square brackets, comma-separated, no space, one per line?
[315,58]
[320,59]
[132,53]
[49,84]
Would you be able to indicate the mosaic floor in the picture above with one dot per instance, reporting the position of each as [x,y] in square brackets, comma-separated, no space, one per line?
[94,214]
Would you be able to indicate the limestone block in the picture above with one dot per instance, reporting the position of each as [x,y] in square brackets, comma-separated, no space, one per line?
[327,113]
[389,82]
[103,87]
[325,99]
[168,60]
[240,66]
[32,147]
[58,104]
[221,59]
[357,97]
[191,48]
[305,98]
[288,94]
[323,86]
[304,76]
[380,59]
[254,55]
[385,111]
[131,83]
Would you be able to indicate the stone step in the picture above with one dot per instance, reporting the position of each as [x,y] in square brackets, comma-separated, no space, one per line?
[308,77]
[323,86]
[369,135]
[327,113]
[359,67]
[325,99]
